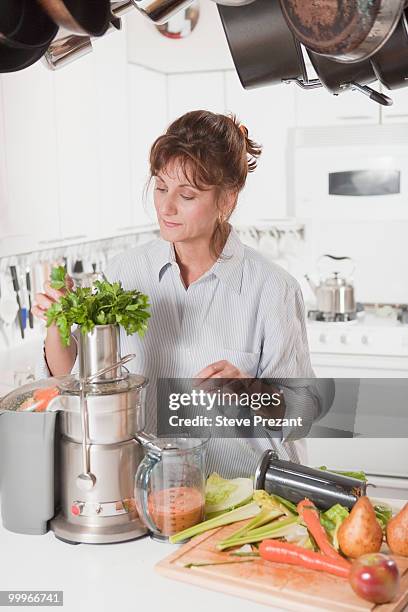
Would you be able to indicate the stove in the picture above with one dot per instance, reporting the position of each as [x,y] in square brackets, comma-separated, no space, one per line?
[329,317]
[367,334]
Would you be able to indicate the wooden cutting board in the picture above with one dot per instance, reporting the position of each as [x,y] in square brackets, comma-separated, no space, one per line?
[273,584]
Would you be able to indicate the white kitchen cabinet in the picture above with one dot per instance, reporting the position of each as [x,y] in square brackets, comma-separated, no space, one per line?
[319,107]
[29,154]
[398,112]
[77,128]
[267,112]
[115,208]
[359,366]
[147,120]
[205,48]
[187,92]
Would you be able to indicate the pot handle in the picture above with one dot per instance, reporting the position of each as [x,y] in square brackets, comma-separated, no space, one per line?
[142,478]
[376,96]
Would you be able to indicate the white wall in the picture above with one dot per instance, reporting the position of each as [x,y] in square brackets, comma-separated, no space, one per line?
[205,49]
[74,159]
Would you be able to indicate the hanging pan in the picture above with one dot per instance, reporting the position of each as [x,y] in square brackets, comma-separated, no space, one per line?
[391,62]
[338,77]
[86,17]
[12,59]
[263,48]
[347,31]
[24,25]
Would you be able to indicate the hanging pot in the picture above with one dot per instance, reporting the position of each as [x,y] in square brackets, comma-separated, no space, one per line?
[24,25]
[86,17]
[13,60]
[351,34]
[234,2]
[339,77]
[391,62]
[263,48]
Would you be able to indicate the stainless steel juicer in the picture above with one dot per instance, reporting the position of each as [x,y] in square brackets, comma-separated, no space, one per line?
[93,447]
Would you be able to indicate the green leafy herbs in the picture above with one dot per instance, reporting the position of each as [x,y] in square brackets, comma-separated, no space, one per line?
[58,277]
[105,304]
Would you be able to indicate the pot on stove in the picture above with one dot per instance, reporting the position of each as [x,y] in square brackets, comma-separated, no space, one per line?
[335,293]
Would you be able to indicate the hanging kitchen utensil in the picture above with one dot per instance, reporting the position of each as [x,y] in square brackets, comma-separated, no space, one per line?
[161,11]
[338,77]
[65,50]
[24,25]
[90,17]
[16,287]
[28,287]
[350,31]
[391,62]
[8,308]
[263,48]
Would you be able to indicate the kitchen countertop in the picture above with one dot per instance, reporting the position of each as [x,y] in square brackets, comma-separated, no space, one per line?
[109,577]
[104,577]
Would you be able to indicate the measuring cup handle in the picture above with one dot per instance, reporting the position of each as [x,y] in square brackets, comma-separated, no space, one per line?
[141,489]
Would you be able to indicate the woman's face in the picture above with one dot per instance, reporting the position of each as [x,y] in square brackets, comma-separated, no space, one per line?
[184,213]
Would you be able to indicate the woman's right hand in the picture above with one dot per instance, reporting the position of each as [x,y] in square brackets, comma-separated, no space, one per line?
[43,301]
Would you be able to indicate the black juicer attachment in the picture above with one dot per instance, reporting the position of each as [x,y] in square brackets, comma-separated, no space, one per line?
[294,482]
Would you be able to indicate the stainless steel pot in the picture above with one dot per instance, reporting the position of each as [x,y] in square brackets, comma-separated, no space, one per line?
[348,34]
[334,294]
[115,410]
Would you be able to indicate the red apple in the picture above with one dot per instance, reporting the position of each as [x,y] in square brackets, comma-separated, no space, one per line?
[375,577]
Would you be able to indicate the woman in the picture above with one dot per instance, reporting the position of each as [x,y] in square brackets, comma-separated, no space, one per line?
[218,308]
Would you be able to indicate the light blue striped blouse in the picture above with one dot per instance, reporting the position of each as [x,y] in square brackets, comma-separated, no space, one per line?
[245,310]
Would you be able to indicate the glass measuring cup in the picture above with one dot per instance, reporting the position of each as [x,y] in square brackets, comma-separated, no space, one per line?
[170,485]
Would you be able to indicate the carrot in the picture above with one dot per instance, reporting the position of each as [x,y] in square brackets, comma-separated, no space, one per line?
[45,393]
[310,516]
[284,552]
[43,396]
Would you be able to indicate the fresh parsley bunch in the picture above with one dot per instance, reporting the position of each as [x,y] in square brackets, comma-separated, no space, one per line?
[106,303]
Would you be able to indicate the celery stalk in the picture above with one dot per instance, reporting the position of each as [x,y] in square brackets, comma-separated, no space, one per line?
[238,514]
[276,529]
[264,517]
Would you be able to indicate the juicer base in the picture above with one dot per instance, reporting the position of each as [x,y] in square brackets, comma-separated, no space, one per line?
[78,534]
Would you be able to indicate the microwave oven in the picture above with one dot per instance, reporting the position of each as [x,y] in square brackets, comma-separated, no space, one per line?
[349,173]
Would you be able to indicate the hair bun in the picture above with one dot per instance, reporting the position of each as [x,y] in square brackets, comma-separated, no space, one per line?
[243,129]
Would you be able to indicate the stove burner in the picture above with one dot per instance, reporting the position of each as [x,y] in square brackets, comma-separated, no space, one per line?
[331,317]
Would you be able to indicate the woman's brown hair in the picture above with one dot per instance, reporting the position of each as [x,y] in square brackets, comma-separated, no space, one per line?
[214,151]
